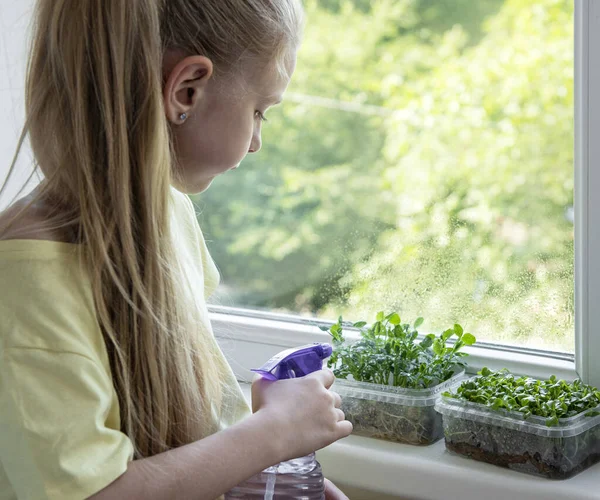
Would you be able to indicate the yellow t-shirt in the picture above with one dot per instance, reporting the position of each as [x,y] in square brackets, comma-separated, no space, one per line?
[60,433]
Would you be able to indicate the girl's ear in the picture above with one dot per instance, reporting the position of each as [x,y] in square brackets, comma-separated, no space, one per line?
[185,86]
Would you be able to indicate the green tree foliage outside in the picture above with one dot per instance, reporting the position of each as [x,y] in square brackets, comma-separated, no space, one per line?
[422,162]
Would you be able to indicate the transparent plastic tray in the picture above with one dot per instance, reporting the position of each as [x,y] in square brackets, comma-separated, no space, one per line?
[394,413]
[509,440]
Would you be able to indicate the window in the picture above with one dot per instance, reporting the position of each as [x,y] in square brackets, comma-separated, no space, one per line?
[422,162]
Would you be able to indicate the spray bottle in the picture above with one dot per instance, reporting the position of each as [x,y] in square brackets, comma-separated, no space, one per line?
[301,478]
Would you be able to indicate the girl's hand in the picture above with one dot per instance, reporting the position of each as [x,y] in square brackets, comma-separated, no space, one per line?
[303,414]
[332,492]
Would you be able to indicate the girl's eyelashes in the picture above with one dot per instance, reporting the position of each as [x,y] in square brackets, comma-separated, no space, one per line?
[260,116]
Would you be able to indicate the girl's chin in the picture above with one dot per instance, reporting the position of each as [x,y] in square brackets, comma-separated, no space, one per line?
[196,187]
[203,182]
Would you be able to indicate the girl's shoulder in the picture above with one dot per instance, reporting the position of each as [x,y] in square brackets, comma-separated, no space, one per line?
[46,298]
[24,220]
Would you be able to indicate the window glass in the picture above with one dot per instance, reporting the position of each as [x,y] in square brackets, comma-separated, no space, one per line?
[422,162]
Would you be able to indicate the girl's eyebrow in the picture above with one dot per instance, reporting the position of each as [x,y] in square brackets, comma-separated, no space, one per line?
[271,100]
[274,99]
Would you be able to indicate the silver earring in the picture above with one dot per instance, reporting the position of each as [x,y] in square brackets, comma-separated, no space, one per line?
[183,117]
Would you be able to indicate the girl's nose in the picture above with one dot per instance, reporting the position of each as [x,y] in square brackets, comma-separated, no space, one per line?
[256,143]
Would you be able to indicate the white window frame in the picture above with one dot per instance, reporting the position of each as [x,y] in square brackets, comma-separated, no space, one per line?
[587,189]
[250,337]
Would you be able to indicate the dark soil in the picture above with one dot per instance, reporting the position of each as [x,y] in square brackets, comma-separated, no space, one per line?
[397,438]
[504,460]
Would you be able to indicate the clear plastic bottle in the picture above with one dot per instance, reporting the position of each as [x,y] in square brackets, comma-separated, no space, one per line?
[298,479]
[301,478]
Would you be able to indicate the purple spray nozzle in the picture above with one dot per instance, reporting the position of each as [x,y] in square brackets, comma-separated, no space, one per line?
[296,362]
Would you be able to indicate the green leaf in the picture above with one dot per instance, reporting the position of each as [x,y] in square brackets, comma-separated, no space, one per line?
[447,334]
[418,322]
[394,319]
[324,328]
[427,342]
[359,324]
[468,339]
[498,403]
[458,330]
[438,346]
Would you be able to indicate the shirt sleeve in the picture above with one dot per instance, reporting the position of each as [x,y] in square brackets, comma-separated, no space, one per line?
[59,431]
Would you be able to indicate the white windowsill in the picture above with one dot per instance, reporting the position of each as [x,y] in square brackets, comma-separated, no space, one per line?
[430,473]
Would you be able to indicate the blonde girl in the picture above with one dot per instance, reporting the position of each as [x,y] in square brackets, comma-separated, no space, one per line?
[112,385]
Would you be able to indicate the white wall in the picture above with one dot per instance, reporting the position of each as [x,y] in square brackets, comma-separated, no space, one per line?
[15,17]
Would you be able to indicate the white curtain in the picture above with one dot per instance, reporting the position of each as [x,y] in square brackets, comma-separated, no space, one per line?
[15,19]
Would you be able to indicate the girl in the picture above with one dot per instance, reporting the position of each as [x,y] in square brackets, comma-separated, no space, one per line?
[111,382]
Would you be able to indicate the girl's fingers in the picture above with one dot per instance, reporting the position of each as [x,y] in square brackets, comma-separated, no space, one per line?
[325,375]
[337,399]
[344,429]
[332,492]
[340,414]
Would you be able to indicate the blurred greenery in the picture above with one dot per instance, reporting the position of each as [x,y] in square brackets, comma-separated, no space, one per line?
[422,162]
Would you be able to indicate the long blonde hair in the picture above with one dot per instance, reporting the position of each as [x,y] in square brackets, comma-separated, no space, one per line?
[97,126]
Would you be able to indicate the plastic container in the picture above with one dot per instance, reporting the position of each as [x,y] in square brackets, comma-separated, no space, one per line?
[506,439]
[394,413]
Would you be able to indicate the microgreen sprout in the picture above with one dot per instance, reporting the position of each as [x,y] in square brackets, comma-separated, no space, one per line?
[551,399]
[389,352]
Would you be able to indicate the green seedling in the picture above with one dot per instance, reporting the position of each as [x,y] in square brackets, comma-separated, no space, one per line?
[389,353]
[552,399]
